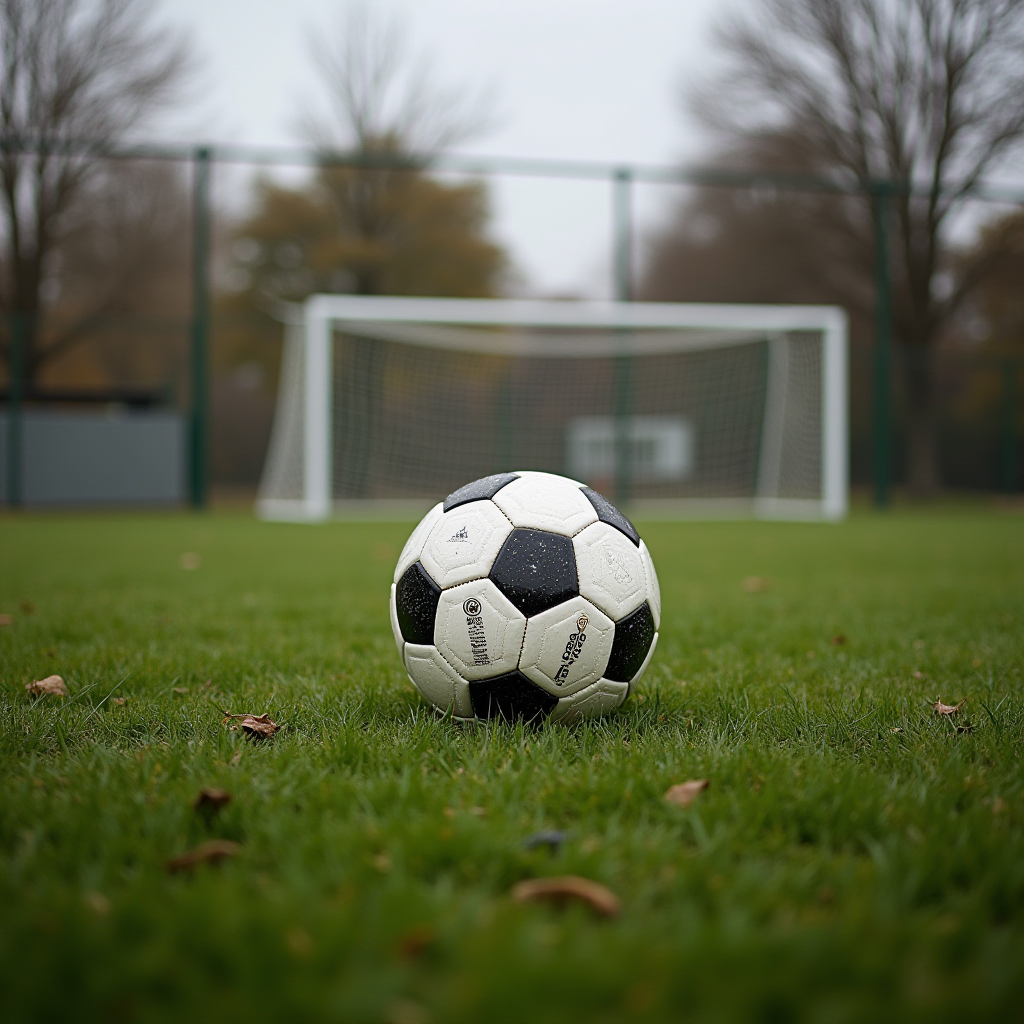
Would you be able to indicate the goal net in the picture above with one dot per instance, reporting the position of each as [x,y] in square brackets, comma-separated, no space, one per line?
[392,403]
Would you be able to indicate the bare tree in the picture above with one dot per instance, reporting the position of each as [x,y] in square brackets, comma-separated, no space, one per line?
[383,96]
[387,106]
[925,94]
[71,71]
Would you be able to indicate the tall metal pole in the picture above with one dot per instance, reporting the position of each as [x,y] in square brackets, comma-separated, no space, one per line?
[883,350]
[622,199]
[199,419]
[1009,425]
[14,424]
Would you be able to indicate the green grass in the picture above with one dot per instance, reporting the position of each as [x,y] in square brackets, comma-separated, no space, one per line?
[856,857]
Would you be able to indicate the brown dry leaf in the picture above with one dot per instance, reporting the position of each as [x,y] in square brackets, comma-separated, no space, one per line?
[918,675]
[211,800]
[685,793]
[120,701]
[50,685]
[416,941]
[212,852]
[6,620]
[256,727]
[947,709]
[756,584]
[838,640]
[566,888]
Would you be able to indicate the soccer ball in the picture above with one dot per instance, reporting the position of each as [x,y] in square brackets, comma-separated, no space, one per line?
[524,596]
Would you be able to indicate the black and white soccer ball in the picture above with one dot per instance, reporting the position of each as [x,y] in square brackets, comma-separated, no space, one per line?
[525,595]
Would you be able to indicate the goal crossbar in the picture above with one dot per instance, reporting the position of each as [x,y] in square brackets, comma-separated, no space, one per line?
[502,326]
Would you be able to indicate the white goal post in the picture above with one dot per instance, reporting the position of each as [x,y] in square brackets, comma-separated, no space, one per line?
[712,410]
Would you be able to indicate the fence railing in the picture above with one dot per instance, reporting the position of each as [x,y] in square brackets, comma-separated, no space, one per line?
[621,178]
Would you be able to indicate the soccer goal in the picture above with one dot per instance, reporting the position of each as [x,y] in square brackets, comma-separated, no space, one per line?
[669,409]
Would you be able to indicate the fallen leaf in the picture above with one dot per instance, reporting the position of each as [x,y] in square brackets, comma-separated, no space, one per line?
[838,640]
[190,561]
[256,727]
[896,729]
[27,607]
[963,729]
[683,794]
[50,685]
[119,700]
[756,584]
[404,1011]
[6,620]
[300,942]
[416,941]
[212,852]
[96,902]
[918,675]
[566,888]
[180,689]
[947,709]
[551,839]
[210,800]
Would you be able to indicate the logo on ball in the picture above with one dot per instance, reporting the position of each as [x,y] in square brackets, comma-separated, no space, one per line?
[582,622]
[471,606]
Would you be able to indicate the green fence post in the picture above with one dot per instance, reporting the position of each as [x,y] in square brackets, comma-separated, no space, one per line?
[1009,425]
[199,419]
[883,349]
[623,268]
[14,423]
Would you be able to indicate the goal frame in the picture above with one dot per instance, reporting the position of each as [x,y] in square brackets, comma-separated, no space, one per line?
[323,313]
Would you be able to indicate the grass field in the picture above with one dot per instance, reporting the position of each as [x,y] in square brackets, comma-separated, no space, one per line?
[857,856]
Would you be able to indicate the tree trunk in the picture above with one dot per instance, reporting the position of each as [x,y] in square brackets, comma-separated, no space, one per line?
[923,479]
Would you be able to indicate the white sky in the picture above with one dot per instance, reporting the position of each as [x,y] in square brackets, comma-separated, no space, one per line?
[579,79]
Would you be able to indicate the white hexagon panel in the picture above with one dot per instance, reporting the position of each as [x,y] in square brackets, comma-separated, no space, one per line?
[653,586]
[437,680]
[414,545]
[478,630]
[567,647]
[546,502]
[464,542]
[610,570]
[597,699]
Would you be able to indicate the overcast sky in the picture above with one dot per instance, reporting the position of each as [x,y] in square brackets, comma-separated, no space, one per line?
[580,79]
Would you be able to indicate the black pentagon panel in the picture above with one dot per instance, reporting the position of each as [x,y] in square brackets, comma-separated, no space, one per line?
[416,597]
[609,514]
[633,638]
[485,487]
[512,697]
[536,570]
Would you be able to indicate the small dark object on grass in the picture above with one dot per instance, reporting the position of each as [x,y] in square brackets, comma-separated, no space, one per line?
[838,640]
[211,800]
[212,852]
[551,839]
[416,941]
[565,889]
[27,607]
